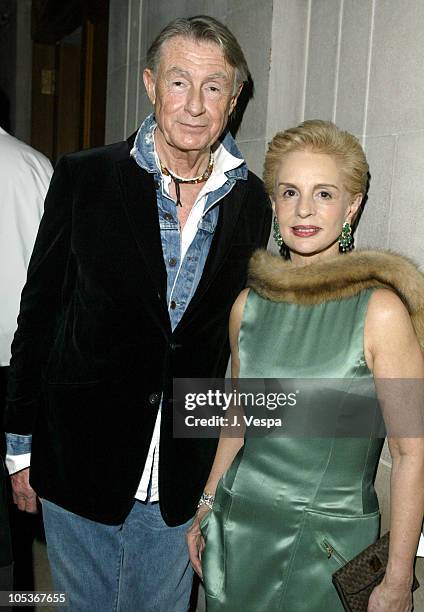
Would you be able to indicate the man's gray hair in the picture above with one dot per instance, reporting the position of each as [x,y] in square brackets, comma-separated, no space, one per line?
[202,28]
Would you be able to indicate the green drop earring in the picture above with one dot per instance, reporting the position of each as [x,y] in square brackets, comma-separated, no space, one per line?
[346,238]
[276,233]
[282,247]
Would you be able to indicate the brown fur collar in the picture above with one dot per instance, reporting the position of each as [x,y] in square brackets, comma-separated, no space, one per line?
[339,277]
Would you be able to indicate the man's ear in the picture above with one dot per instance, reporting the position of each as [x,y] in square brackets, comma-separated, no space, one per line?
[150,84]
[234,99]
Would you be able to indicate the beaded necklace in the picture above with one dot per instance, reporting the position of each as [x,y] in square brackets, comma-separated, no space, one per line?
[202,178]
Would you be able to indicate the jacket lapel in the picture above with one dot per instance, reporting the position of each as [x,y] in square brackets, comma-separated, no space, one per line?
[139,199]
[229,211]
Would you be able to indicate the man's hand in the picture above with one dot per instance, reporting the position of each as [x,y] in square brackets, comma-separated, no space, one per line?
[24,495]
[195,541]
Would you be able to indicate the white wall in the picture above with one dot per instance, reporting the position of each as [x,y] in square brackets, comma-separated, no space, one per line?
[359,63]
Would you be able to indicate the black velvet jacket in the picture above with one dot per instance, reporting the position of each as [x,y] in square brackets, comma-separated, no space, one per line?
[94,348]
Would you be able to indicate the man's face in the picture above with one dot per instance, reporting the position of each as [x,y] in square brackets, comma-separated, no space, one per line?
[192,93]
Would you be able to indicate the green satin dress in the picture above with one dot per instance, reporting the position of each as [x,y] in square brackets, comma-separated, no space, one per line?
[290,511]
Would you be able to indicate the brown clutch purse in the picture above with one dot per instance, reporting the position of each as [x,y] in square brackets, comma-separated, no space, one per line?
[355,580]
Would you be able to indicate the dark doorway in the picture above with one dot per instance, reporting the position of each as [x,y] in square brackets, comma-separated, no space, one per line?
[69,75]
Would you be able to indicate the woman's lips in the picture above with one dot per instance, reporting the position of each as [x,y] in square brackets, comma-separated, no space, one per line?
[305,231]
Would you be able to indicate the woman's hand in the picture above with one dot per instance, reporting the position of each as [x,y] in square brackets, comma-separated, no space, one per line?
[195,541]
[386,598]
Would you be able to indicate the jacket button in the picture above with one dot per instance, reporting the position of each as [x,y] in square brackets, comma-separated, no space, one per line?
[157,184]
[153,398]
[168,217]
[173,346]
[172,261]
[173,305]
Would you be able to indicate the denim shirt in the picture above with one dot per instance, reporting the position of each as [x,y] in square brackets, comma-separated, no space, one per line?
[184,270]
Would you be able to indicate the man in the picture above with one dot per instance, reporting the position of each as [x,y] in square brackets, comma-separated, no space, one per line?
[142,251]
[24,179]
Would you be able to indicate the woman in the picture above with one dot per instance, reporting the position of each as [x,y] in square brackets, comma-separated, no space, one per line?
[289,511]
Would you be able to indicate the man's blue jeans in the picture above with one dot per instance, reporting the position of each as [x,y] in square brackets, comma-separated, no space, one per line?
[139,566]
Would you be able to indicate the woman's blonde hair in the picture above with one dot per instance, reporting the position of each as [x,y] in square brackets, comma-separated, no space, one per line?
[320,137]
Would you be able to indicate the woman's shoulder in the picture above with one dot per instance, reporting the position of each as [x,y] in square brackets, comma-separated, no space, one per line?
[239,304]
[385,303]
[388,320]
[393,340]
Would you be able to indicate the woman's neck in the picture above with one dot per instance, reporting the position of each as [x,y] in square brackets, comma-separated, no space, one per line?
[300,259]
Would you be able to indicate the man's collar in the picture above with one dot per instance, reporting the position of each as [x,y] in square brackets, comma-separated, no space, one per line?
[228,157]
[143,150]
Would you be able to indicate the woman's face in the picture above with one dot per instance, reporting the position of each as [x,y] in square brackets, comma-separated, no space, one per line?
[311,205]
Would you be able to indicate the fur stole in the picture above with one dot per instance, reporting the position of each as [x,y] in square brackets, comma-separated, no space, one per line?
[339,277]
